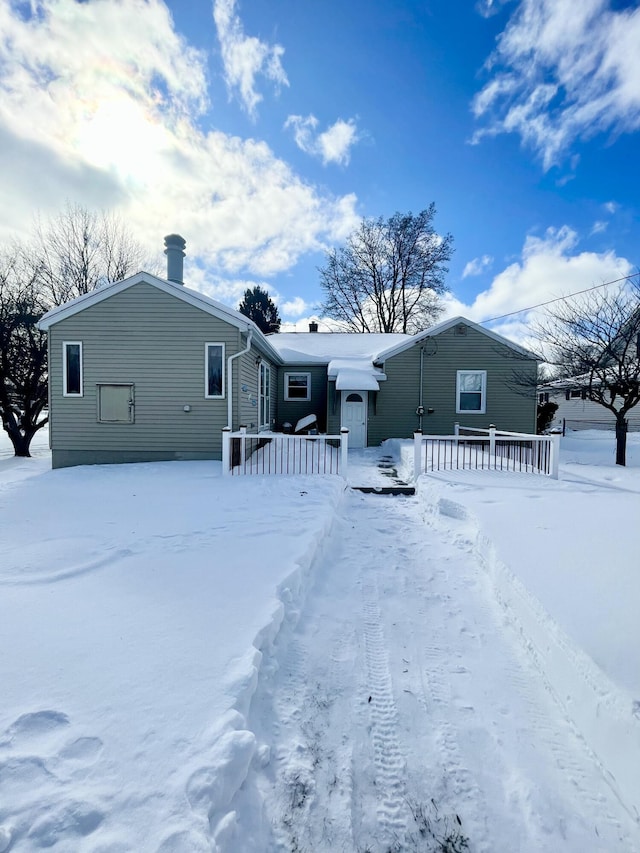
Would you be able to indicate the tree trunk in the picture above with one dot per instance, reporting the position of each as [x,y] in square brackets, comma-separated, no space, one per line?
[621,440]
[21,443]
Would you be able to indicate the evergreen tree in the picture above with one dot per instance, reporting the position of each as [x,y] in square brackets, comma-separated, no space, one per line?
[258,306]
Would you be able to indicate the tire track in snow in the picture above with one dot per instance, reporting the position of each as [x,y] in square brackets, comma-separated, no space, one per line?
[459,717]
[389,761]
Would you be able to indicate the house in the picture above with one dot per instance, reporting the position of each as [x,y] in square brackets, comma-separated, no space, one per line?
[147,369]
[575,410]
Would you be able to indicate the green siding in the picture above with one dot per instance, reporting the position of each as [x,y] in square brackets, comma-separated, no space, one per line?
[396,402]
[290,411]
[145,337]
[247,411]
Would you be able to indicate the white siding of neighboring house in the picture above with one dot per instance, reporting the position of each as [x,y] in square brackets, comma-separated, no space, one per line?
[585,414]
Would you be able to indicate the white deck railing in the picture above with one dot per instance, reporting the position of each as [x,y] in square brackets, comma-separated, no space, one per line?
[279,453]
[487,449]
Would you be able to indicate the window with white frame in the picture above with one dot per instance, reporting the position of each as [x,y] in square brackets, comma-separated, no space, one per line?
[72,368]
[264,396]
[214,371]
[297,386]
[471,389]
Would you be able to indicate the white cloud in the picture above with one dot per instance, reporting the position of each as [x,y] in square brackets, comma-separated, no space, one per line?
[100,103]
[488,8]
[599,226]
[332,145]
[295,307]
[245,57]
[549,268]
[563,70]
[610,206]
[477,266]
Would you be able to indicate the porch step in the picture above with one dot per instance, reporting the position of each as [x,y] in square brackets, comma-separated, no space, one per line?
[385,490]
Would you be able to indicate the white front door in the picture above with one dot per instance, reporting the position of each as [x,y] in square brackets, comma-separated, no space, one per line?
[354,416]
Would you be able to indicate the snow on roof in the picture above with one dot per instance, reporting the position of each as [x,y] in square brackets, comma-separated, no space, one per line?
[323,347]
[355,374]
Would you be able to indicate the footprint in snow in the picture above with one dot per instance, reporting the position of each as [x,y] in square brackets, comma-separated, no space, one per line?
[34,726]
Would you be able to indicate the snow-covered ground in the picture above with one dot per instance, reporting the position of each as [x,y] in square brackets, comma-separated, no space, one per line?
[192,663]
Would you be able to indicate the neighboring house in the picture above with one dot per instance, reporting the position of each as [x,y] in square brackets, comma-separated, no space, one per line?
[576,411]
[146,369]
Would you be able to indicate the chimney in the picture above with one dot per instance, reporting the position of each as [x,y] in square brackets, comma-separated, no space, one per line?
[174,250]
[313,326]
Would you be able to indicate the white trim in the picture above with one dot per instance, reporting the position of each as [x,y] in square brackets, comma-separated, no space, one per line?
[206,370]
[483,393]
[365,402]
[286,386]
[267,367]
[66,393]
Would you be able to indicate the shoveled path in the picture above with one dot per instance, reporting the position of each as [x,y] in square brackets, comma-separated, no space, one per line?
[402,713]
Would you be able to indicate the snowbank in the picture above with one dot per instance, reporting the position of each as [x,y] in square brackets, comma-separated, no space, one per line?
[136,603]
[564,565]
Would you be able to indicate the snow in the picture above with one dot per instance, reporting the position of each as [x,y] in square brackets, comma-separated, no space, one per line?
[322,347]
[197,663]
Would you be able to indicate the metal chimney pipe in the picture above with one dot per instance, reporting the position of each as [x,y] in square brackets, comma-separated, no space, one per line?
[313,326]
[174,250]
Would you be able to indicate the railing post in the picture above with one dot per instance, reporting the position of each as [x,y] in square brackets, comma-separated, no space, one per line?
[344,451]
[226,451]
[555,455]
[456,428]
[243,444]
[492,444]
[417,454]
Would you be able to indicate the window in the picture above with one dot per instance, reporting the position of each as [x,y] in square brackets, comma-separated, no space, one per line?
[297,386]
[115,404]
[214,371]
[264,396]
[72,369]
[471,389]
[543,397]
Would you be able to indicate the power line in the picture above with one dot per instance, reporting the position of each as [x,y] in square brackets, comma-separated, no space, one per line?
[559,298]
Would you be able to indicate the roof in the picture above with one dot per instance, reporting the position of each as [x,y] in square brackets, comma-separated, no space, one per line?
[185,294]
[285,347]
[323,347]
[439,328]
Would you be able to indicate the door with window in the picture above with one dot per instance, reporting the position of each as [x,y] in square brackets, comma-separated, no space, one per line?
[354,417]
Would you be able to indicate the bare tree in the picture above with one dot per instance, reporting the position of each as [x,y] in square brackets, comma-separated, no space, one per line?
[389,276]
[23,354]
[68,256]
[78,250]
[597,342]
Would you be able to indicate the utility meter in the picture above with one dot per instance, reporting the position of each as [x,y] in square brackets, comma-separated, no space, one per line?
[420,411]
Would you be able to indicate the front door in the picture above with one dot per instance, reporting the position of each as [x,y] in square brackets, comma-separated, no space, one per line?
[354,417]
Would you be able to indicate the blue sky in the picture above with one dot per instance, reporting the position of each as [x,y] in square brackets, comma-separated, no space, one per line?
[262,130]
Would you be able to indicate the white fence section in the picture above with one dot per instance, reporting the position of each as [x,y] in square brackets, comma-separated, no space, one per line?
[278,453]
[487,449]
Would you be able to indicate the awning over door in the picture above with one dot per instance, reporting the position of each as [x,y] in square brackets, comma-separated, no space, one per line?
[352,374]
